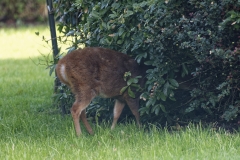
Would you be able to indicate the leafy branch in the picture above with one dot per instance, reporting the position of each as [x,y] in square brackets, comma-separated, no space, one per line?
[131,82]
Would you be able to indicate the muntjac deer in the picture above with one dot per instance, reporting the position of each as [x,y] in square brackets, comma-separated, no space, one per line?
[92,72]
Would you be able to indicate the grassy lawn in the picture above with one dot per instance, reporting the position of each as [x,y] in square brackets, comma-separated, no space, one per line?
[31,128]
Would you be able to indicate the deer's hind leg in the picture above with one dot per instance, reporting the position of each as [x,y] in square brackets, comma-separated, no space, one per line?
[118,107]
[133,104]
[85,122]
[78,110]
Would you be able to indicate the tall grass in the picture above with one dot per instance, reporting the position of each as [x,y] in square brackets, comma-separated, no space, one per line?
[31,128]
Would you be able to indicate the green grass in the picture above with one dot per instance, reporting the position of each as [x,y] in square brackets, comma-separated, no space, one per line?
[31,128]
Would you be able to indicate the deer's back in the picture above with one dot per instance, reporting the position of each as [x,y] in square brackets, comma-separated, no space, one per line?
[98,69]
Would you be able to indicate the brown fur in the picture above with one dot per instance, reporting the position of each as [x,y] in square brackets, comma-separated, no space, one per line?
[92,72]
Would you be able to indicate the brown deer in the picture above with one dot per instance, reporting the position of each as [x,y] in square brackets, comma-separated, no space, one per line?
[94,71]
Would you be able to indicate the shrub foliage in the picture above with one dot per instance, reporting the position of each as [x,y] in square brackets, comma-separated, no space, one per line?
[192,49]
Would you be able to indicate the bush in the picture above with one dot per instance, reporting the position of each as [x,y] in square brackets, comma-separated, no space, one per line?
[23,10]
[192,49]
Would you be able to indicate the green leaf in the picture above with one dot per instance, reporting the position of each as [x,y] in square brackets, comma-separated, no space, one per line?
[112,16]
[104,25]
[120,31]
[150,102]
[144,110]
[70,33]
[52,69]
[185,71]
[165,89]
[140,56]
[172,98]
[162,96]
[135,85]
[95,15]
[153,108]
[173,82]
[116,5]
[130,81]
[130,93]
[135,80]
[123,90]
[128,13]
[163,108]
[148,63]
[70,49]
[157,110]
[119,42]
[145,95]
